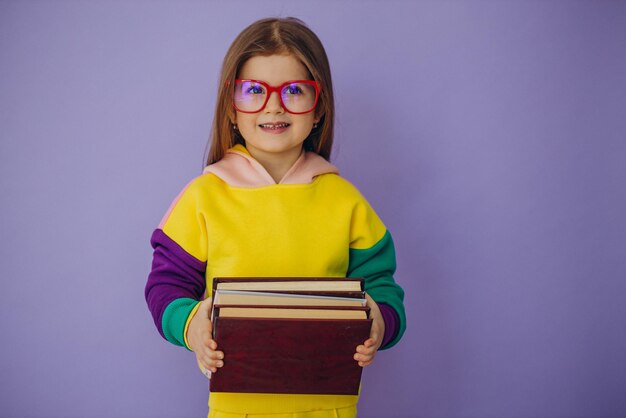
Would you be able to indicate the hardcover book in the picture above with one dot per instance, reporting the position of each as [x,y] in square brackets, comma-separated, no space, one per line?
[242,297]
[289,283]
[291,312]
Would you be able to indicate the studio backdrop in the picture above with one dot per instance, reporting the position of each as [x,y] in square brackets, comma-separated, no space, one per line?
[488,135]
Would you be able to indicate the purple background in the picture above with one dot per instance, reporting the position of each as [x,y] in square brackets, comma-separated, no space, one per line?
[489,135]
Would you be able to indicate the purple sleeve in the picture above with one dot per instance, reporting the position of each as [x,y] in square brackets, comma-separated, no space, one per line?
[175,274]
[392,322]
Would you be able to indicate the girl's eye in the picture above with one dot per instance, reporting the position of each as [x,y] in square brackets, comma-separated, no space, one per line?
[255,89]
[293,89]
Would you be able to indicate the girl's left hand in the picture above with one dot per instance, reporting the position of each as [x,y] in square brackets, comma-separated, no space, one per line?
[365,352]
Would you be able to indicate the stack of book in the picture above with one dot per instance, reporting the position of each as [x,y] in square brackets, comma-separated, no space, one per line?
[289,335]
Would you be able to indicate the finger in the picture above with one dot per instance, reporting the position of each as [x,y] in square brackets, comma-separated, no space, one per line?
[205,307]
[363,357]
[209,366]
[369,351]
[204,363]
[211,363]
[368,343]
[217,363]
[210,343]
[216,355]
[365,363]
[213,355]
[366,350]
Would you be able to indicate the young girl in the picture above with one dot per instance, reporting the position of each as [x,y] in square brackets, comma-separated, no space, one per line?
[270,204]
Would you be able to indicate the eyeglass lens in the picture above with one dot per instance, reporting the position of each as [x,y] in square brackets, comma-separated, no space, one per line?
[296,97]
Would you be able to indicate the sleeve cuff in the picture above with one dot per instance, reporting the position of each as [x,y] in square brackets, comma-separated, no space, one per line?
[189,318]
[392,324]
[175,320]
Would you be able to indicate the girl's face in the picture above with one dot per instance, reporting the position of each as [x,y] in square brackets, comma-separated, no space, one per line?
[273,133]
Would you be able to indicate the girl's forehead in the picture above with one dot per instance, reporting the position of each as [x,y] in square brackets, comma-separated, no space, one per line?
[273,69]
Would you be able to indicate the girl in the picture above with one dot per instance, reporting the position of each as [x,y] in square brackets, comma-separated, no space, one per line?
[269,203]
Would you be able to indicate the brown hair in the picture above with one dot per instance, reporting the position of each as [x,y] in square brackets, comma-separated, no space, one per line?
[268,37]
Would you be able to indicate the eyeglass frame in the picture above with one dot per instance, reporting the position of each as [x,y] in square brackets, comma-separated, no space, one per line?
[270,89]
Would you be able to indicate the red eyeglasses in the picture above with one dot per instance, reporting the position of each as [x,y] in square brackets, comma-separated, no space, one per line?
[296,96]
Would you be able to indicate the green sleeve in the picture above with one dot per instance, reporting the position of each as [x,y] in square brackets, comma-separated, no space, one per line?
[174,320]
[377,265]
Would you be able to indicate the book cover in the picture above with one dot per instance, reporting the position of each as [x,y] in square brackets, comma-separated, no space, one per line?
[305,356]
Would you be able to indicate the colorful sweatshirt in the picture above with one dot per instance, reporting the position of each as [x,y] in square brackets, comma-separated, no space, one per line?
[235,221]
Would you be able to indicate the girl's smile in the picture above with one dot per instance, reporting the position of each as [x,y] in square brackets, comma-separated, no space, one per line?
[274,127]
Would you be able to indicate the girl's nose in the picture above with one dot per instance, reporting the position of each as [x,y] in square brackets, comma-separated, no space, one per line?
[273,104]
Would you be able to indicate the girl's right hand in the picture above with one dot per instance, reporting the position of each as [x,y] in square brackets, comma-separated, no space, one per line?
[199,336]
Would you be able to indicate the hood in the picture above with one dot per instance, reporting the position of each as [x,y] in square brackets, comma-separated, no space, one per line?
[239,169]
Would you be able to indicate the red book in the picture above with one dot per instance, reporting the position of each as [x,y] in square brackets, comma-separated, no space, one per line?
[305,356]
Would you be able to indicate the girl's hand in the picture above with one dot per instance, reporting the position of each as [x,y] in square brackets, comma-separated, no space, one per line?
[365,352]
[200,340]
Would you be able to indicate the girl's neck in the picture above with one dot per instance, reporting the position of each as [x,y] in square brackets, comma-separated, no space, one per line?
[276,164]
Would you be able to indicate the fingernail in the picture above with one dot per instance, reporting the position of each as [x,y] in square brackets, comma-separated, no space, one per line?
[219,363]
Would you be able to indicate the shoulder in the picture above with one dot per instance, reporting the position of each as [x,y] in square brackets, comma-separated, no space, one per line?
[193,197]
[366,227]
[204,181]
[345,194]
[201,186]
[342,187]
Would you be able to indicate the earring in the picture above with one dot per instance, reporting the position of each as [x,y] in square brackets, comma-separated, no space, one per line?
[234,126]
[314,125]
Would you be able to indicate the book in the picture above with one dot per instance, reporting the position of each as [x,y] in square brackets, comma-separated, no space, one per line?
[243,297]
[344,291]
[293,347]
[304,356]
[293,312]
[289,284]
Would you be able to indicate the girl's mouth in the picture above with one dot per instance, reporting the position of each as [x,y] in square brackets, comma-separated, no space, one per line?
[274,126]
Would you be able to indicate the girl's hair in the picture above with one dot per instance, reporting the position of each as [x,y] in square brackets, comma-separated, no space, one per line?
[269,37]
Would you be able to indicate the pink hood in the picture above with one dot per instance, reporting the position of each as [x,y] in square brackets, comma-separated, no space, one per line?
[239,169]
